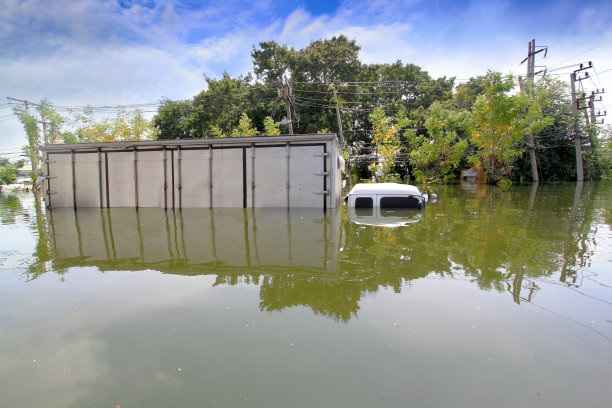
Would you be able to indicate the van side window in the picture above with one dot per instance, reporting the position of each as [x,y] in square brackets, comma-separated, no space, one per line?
[364,202]
[399,202]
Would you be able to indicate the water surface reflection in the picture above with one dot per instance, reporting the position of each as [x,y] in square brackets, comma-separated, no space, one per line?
[506,241]
[488,291]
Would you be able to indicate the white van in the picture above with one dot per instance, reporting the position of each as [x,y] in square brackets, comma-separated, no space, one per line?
[385,195]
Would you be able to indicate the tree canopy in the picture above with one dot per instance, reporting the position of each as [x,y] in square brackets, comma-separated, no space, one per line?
[395,115]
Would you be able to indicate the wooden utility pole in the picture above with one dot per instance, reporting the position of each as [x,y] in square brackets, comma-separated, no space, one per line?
[577,140]
[593,120]
[338,116]
[287,96]
[531,53]
[25,102]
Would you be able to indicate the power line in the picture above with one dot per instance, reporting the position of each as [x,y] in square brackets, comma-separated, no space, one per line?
[582,53]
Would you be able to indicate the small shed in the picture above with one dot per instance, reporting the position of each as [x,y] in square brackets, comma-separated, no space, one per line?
[249,172]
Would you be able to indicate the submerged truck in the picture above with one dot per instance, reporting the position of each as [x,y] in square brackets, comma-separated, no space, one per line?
[248,172]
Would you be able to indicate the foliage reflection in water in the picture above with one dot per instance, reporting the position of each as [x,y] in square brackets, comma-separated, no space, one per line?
[503,240]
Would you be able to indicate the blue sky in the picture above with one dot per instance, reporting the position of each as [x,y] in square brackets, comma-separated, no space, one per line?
[108,52]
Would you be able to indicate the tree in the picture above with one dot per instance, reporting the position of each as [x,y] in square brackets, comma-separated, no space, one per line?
[271,61]
[30,125]
[606,152]
[436,154]
[8,171]
[215,132]
[387,143]
[126,126]
[271,128]
[465,94]
[501,119]
[333,60]
[245,127]
[173,119]
[53,122]
[555,148]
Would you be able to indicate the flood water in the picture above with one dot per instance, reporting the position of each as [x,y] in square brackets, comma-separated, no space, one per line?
[487,298]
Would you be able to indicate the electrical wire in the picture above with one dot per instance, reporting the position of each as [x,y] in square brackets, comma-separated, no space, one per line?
[582,53]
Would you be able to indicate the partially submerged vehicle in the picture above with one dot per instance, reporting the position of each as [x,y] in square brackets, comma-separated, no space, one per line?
[385,196]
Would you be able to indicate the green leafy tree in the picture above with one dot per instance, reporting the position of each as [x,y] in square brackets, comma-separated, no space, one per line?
[501,120]
[387,143]
[272,61]
[465,94]
[555,148]
[174,120]
[33,134]
[606,152]
[8,171]
[245,128]
[271,128]
[53,122]
[126,126]
[436,154]
[333,60]
[215,132]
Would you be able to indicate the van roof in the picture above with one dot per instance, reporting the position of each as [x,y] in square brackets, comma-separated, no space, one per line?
[384,188]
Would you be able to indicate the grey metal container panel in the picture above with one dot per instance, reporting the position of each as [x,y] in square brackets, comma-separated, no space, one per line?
[270,177]
[87,188]
[195,179]
[60,171]
[305,178]
[121,179]
[134,176]
[227,178]
[150,179]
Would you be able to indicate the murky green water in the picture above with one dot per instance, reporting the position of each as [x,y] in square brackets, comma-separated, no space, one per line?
[485,299]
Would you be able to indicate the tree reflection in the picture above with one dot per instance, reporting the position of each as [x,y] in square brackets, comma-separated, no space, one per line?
[42,253]
[10,208]
[501,240]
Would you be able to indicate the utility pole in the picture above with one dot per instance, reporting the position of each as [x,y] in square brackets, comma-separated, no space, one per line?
[575,108]
[531,53]
[592,100]
[338,116]
[44,123]
[593,119]
[577,142]
[287,97]
[26,102]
